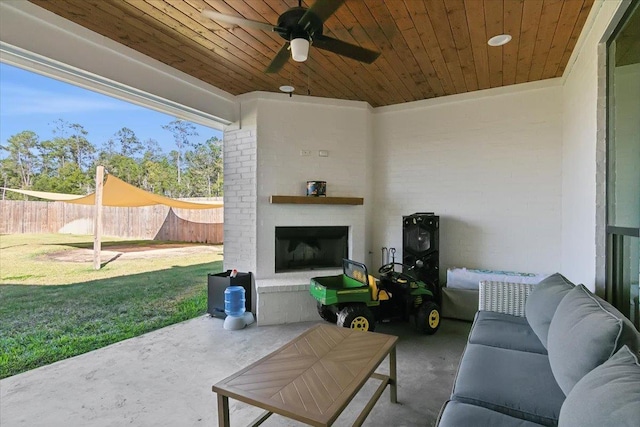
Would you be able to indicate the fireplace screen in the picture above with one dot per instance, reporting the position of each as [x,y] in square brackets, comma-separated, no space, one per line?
[310,248]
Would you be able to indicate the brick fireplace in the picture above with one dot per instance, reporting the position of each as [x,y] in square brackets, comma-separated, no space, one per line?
[261,161]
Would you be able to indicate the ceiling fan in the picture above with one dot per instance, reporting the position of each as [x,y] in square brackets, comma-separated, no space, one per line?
[301,27]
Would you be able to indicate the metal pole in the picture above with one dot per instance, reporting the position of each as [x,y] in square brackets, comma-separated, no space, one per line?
[97,218]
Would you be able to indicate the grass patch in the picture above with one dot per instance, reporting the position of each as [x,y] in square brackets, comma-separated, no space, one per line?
[43,321]
[25,259]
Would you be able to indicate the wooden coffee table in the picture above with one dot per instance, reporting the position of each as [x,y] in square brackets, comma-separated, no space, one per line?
[314,377]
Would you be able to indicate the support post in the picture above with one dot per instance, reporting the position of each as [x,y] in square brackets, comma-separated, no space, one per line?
[97,218]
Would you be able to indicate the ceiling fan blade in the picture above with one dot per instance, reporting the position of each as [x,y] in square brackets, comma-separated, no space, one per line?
[345,49]
[241,22]
[322,9]
[279,60]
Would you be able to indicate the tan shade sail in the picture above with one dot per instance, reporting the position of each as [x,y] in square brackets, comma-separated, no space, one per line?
[59,197]
[118,193]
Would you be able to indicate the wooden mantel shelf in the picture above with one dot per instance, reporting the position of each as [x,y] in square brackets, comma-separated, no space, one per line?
[310,200]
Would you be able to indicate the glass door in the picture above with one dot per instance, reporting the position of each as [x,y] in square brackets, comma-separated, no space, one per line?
[623,165]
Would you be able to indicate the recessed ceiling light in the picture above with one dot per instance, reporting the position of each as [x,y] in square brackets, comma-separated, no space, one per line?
[499,40]
[287,89]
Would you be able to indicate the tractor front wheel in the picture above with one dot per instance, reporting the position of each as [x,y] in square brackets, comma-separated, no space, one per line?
[327,312]
[428,318]
[356,317]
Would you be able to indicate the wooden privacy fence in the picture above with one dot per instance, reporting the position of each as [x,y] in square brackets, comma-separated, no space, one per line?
[151,222]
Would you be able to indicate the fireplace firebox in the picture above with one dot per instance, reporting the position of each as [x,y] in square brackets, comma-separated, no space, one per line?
[310,248]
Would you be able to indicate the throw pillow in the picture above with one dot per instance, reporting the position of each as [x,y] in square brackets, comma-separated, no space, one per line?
[542,303]
[607,396]
[582,336]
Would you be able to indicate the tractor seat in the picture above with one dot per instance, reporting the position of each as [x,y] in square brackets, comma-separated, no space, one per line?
[376,293]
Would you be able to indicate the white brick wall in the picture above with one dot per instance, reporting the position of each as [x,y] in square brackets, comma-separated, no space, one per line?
[240,157]
[285,128]
[583,160]
[489,163]
[287,300]
[262,158]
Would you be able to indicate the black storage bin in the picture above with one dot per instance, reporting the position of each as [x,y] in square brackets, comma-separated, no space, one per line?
[217,283]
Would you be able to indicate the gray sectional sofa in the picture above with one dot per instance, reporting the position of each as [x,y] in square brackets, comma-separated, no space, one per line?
[548,354]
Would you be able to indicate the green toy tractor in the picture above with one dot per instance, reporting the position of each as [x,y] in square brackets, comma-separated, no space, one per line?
[357,300]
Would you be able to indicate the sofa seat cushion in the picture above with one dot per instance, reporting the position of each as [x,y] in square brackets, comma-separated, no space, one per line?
[505,331]
[543,301]
[458,414]
[515,383]
[584,333]
[607,396]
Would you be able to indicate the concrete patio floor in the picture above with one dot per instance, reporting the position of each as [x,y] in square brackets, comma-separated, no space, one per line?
[164,378]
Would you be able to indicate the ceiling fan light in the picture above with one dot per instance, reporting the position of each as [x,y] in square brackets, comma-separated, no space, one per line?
[299,49]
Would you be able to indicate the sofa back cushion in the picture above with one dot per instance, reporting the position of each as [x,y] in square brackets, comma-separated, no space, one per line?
[542,303]
[607,396]
[584,332]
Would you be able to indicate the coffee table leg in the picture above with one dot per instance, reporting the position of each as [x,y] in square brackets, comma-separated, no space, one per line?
[223,411]
[392,376]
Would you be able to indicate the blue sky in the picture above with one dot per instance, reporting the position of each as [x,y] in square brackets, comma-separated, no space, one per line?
[29,101]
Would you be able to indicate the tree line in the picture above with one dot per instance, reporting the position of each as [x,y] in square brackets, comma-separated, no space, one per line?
[67,162]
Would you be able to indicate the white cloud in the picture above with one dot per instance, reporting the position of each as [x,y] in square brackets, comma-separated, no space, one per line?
[22,100]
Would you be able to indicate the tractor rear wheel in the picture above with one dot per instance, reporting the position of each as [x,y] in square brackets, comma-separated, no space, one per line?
[428,318]
[328,313]
[356,316]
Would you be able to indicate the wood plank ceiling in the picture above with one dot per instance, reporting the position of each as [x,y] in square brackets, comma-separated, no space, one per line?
[429,48]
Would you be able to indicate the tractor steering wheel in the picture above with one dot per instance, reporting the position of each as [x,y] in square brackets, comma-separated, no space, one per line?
[387,269]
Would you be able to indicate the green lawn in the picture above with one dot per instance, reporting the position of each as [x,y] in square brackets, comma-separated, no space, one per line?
[43,320]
